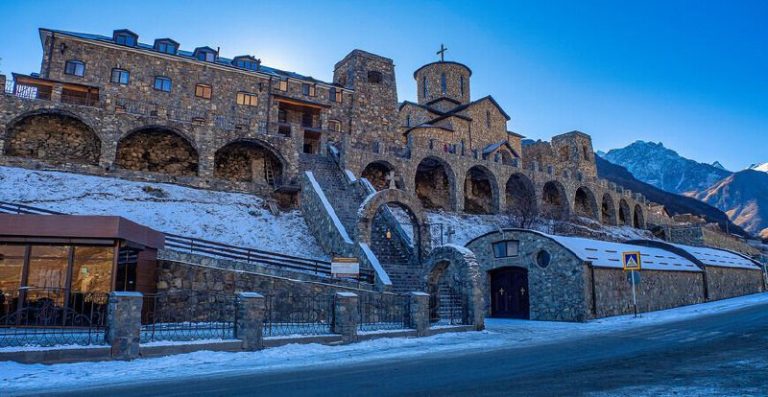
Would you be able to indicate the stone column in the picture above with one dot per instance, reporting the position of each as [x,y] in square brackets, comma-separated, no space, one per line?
[345,316]
[124,324]
[418,313]
[250,320]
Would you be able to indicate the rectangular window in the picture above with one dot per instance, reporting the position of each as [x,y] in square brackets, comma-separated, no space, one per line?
[334,125]
[92,269]
[308,89]
[47,279]
[505,249]
[203,91]
[126,39]
[334,95]
[283,85]
[74,68]
[162,84]
[246,99]
[11,264]
[168,48]
[120,76]
[206,56]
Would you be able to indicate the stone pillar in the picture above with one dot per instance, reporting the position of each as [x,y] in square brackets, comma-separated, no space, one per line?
[124,324]
[250,320]
[418,313]
[345,316]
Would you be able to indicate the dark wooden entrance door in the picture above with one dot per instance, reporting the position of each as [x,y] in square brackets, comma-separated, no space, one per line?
[509,293]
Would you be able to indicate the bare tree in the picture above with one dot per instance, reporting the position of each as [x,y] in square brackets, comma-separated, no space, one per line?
[522,211]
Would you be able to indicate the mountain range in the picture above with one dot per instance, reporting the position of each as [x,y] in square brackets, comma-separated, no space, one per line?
[742,195]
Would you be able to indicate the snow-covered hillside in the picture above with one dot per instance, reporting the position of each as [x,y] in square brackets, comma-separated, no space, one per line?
[230,218]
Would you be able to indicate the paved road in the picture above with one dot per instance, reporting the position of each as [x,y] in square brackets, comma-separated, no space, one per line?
[719,354]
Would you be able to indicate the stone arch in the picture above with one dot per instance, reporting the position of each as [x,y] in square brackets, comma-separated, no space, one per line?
[157,149]
[250,160]
[625,215]
[379,173]
[435,184]
[370,209]
[455,267]
[608,211]
[52,135]
[520,196]
[554,201]
[481,191]
[585,203]
[638,219]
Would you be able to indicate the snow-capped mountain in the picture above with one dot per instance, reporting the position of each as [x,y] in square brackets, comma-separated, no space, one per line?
[744,197]
[763,167]
[662,167]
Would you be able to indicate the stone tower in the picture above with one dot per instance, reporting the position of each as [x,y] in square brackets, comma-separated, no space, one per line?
[374,104]
[573,152]
[443,85]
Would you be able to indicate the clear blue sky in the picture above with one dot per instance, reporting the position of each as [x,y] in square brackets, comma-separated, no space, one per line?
[692,74]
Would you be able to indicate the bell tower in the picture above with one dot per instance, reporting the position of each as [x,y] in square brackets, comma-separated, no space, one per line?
[443,84]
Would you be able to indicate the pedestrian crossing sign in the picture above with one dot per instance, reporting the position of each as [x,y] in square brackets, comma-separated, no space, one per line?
[631,260]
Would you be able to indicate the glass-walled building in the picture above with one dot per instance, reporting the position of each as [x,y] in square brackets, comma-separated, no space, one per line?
[72,262]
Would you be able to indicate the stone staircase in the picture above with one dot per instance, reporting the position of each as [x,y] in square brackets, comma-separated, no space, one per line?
[345,198]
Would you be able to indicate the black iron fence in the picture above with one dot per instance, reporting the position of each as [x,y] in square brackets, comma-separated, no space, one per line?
[382,311]
[188,315]
[447,306]
[48,317]
[289,314]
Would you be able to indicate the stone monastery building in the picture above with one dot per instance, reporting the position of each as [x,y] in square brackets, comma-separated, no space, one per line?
[346,152]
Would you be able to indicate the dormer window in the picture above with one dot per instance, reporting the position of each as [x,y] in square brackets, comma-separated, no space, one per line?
[247,62]
[125,37]
[166,46]
[205,54]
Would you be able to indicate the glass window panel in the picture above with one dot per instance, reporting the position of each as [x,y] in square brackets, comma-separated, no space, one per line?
[47,276]
[499,250]
[92,269]
[11,265]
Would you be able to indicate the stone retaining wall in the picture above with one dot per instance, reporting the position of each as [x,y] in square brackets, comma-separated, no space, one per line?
[726,282]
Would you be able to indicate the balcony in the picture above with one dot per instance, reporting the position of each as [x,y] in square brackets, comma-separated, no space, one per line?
[36,88]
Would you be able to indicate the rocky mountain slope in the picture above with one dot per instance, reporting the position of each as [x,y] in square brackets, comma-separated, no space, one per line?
[664,168]
[675,204]
[744,197]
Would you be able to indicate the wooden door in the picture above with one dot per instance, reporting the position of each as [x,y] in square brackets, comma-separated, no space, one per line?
[509,293]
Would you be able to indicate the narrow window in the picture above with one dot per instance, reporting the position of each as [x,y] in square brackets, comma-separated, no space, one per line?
[312,90]
[505,249]
[424,86]
[461,84]
[283,86]
[162,84]
[246,99]
[408,120]
[375,77]
[443,83]
[282,116]
[334,125]
[74,68]
[203,91]
[120,76]
[488,118]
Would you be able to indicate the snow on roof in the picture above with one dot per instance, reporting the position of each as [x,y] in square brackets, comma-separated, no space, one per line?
[717,257]
[608,254]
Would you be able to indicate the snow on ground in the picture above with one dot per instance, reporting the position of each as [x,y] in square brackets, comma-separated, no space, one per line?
[230,218]
[17,378]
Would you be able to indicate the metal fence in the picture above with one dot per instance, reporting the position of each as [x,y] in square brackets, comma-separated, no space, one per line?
[289,314]
[48,317]
[448,306]
[381,311]
[188,315]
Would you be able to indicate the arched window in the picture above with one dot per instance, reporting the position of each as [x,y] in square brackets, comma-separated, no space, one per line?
[488,118]
[461,84]
[443,84]
[424,86]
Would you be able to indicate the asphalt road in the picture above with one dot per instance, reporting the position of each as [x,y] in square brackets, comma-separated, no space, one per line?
[718,354]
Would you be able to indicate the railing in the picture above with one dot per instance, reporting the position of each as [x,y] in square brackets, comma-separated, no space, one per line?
[381,311]
[219,250]
[289,314]
[447,306]
[48,317]
[188,315]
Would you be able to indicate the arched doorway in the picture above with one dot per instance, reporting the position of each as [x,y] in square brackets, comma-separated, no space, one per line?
[625,215]
[451,274]
[585,204]
[480,191]
[639,217]
[521,200]
[157,149]
[554,201]
[435,184]
[608,211]
[509,293]
[249,161]
[53,136]
[381,174]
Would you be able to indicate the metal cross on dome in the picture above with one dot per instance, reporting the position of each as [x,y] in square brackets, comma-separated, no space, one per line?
[442,53]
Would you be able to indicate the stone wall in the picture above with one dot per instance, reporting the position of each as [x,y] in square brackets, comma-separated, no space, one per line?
[727,282]
[557,292]
[657,290]
[157,150]
[53,136]
[429,82]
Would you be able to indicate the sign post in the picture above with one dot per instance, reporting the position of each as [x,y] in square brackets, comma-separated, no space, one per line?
[632,263]
[345,268]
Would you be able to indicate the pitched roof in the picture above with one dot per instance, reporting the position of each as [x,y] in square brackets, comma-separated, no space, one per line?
[492,147]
